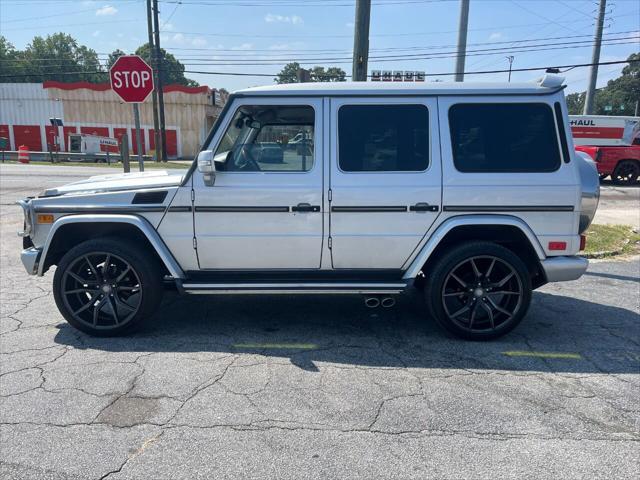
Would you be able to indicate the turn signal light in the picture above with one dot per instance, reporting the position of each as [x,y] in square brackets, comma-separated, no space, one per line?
[557,245]
[583,242]
[42,218]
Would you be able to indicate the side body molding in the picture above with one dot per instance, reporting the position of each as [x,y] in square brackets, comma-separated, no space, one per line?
[469,220]
[140,223]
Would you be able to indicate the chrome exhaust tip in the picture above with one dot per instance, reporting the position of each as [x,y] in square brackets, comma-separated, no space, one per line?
[388,302]
[372,302]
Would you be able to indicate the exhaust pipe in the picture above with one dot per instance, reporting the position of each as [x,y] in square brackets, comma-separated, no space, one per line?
[388,302]
[372,302]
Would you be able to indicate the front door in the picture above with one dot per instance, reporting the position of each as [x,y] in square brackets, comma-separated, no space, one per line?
[385,179]
[264,209]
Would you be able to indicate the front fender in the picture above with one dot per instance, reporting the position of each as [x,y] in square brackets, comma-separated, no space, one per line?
[139,222]
[469,220]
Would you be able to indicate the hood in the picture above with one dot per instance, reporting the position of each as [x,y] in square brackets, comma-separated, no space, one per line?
[120,181]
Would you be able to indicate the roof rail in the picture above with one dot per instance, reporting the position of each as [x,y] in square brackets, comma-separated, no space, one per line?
[550,81]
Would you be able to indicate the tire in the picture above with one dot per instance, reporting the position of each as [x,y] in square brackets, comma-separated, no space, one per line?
[489,297]
[112,304]
[602,176]
[626,172]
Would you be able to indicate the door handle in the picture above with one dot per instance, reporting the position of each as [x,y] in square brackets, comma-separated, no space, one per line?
[305,207]
[423,207]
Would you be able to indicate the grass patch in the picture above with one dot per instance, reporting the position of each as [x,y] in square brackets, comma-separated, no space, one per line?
[115,166]
[609,240]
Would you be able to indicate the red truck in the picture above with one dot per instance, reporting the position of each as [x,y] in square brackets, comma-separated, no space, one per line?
[614,144]
[622,163]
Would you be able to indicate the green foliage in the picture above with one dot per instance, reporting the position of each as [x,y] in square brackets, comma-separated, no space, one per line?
[60,57]
[621,94]
[171,70]
[54,57]
[289,74]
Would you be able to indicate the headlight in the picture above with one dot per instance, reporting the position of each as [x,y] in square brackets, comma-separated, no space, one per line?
[28,218]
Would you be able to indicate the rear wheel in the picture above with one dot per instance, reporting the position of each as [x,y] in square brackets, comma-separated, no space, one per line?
[478,291]
[626,172]
[105,288]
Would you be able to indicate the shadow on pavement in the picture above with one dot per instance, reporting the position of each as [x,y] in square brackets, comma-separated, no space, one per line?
[560,334]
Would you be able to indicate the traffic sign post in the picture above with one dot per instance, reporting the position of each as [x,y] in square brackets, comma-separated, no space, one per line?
[132,80]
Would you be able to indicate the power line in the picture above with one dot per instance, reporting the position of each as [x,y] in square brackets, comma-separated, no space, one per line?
[255,74]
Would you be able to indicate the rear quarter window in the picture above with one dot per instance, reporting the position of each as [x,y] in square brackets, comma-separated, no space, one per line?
[509,137]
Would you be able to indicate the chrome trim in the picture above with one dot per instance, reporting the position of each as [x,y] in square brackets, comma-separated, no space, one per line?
[241,209]
[141,223]
[294,288]
[128,208]
[290,292]
[369,209]
[563,269]
[468,220]
[508,208]
[30,258]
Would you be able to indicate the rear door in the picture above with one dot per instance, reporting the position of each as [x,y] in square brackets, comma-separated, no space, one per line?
[385,179]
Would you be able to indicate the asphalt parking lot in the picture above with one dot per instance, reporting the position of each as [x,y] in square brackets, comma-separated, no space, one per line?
[316,387]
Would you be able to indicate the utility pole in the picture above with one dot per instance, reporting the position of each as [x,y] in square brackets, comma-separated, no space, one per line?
[361,41]
[462,40]
[158,57]
[510,60]
[154,94]
[595,59]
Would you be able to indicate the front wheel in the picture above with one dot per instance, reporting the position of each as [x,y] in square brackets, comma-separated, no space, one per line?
[478,291]
[105,287]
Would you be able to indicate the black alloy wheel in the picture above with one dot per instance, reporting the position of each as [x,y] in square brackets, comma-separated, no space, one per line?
[478,290]
[106,287]
[101,290]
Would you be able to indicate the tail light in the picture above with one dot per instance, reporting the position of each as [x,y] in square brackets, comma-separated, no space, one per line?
[583,242]
[557,245]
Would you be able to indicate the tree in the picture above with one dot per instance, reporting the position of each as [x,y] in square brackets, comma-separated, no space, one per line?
[618,97]
[11,64]
[171,70]
[289,74]
[60,57]
[113,56]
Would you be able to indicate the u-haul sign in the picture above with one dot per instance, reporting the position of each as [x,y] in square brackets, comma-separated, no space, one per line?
[603,129]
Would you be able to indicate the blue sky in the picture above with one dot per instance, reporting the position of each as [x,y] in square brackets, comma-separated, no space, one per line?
[228,36]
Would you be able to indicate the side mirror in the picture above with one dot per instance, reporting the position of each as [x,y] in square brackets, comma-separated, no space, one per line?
[205,162]
[207,166]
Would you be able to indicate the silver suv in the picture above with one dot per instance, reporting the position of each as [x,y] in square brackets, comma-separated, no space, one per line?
[470,193]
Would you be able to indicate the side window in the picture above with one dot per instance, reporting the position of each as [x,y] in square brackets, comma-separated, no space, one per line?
[268,138]
[504,137]
[383,138]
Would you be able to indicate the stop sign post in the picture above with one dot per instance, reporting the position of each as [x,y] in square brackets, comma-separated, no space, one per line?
[132,80]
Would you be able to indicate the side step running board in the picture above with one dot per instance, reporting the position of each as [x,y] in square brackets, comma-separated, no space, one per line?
[289,288]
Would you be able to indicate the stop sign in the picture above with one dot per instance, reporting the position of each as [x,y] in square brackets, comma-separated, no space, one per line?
[131,78]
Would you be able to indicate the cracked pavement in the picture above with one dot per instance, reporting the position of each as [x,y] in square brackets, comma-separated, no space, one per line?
[211,388]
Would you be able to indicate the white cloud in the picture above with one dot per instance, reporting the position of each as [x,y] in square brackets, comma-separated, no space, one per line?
[495,36]
[198,42]
[350,24]
[244,46]
[293,19]
[96,33]
[166,26]
[106,10]
[280,46]
[178,38]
